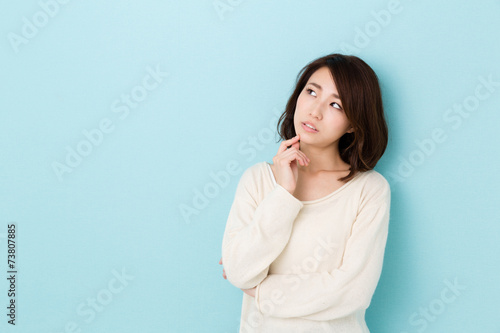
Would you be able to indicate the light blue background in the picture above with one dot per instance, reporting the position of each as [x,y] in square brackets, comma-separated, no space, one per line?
[228,75]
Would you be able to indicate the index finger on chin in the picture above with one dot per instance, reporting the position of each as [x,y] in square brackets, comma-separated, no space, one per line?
[288,143]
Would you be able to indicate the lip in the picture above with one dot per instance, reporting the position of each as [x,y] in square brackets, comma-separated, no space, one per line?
[307,128]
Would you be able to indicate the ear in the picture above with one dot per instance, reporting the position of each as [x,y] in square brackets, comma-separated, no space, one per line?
[350,130]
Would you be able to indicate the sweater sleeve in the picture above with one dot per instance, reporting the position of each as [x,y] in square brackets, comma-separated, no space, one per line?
[256,232]
[342,291]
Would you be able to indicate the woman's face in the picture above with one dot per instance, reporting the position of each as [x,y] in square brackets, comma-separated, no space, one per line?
[320,105]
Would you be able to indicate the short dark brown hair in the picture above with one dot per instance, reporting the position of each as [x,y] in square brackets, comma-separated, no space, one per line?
[361,97]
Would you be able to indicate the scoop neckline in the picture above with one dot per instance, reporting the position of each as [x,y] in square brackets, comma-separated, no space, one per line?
[270,176]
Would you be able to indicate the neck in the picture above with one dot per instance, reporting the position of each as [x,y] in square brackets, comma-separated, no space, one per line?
[323,159]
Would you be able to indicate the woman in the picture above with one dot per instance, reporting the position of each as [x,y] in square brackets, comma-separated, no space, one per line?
[305,237]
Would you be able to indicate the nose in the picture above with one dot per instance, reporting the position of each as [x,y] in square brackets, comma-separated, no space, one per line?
[316,110]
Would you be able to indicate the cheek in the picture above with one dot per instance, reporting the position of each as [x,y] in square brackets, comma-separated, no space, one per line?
[338,120]
[304,99]
[300,102]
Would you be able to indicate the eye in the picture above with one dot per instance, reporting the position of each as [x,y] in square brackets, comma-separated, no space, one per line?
[337,105]
[334,104]
[310,90]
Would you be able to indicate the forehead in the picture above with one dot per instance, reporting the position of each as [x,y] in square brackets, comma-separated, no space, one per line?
[324,78]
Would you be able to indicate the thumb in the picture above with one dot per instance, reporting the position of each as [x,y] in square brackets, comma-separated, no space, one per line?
[297,144]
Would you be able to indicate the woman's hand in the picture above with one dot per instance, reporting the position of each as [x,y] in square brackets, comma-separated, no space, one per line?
[223,271]
[250,292]
[285,163]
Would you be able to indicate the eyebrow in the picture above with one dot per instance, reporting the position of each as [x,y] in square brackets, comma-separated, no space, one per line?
[319,87]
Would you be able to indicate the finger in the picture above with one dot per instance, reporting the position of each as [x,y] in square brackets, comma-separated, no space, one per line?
[300,153]
[284,144]
[293,154]
[296,144]
[220,261]
[304,157]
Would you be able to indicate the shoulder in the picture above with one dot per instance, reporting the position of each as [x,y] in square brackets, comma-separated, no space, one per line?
[254,183]
[374,186]
[252,175]
[254,170]
[375,179]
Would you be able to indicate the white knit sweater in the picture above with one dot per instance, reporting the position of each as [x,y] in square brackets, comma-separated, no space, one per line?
[315,263]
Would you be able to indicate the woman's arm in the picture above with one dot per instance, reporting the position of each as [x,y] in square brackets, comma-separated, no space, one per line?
[256,233]
[249,292]
[335,294]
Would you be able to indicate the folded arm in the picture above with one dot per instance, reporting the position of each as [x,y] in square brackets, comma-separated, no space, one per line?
[338,293]
[256,233]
